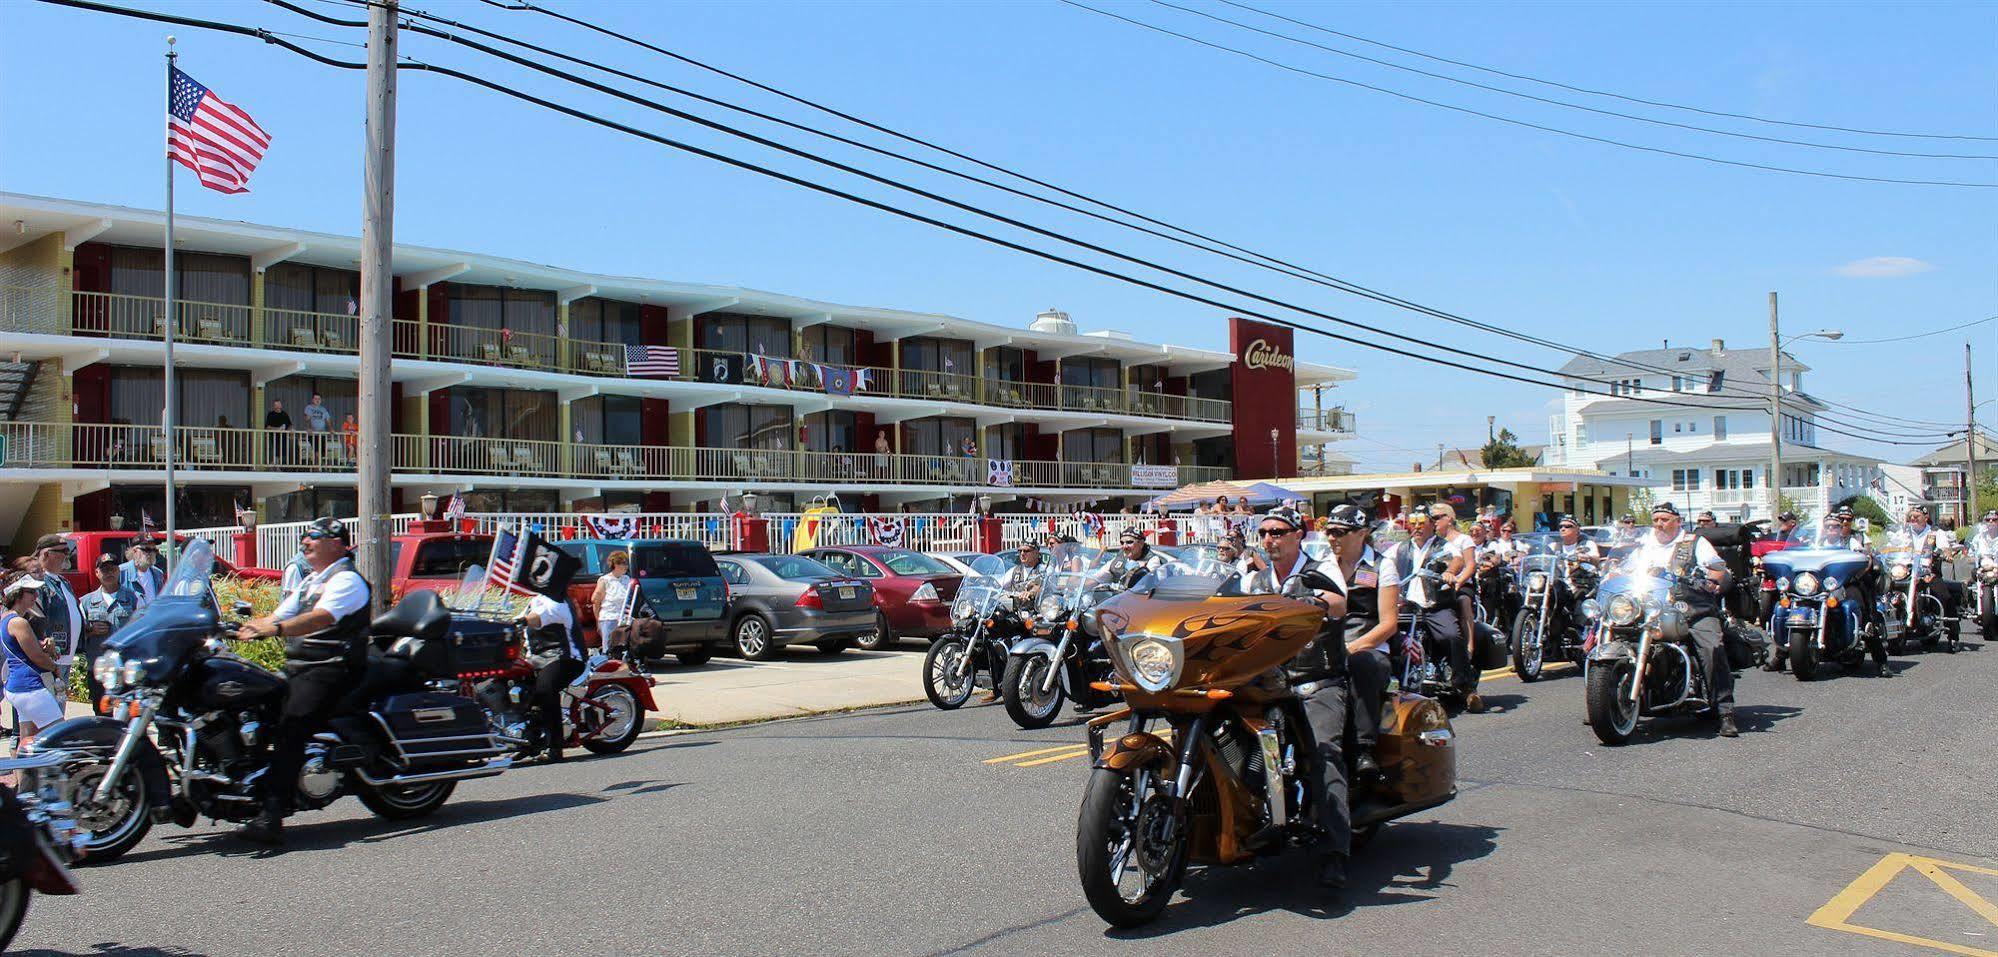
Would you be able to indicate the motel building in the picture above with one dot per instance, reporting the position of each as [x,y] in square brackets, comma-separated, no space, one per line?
[513,386]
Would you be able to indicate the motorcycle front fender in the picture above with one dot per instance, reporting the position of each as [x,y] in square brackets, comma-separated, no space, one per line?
[1614,649]
[1032,647]
[99,738]
[1135,750]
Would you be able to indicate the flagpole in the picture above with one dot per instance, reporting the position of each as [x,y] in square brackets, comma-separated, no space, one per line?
[167,417]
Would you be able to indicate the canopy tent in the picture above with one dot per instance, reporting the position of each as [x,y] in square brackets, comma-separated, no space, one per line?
[1186,497]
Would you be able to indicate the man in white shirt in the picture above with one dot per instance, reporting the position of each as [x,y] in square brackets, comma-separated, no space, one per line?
[551,646]
[1702,574]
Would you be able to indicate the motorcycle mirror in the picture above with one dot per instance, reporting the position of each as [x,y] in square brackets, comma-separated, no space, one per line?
[241,608]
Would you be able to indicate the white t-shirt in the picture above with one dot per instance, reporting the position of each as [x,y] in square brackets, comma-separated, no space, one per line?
[1652,554]
[552,612]
[343,594]
[1418,586]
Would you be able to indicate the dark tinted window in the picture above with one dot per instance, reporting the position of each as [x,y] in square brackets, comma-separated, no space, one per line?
[448,557]
[680,561]
[734,572]
[796,568]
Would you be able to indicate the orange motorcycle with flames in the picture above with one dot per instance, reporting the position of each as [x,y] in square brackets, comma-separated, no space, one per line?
[1215,766]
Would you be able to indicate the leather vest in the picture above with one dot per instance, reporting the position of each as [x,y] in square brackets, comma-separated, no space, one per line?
[1700,602]
[345,642]
[1325,657]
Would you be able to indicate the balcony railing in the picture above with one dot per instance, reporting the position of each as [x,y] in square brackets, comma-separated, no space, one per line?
[197,448]
[1337,421]
[115,315]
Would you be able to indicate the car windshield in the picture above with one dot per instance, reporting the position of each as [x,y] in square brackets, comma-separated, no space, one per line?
[796,568]
[902,562]
[447,557]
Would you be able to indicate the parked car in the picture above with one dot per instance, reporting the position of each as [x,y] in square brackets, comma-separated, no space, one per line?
[778,600]
[432,560]
[912,591]
[960,562]
[679,583]
[87,546]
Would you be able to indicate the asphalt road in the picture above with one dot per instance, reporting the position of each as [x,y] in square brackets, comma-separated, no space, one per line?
[1855,815]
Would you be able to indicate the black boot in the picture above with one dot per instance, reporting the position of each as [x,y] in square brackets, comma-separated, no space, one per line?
[1727,726]
[1332,871]
[267,827]
[1365,767]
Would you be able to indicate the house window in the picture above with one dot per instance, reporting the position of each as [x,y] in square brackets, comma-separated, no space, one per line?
[1685,480]
[1678,383]
[1678,427]
[1720,426]
[1581,434]
[1714,381]
[1657,431]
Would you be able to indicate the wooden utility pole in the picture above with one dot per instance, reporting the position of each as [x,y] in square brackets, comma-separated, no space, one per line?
[1775,415]
[377,301]
[1970,514]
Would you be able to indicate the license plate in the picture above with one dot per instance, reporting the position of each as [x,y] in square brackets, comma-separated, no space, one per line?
[1803,616]
[846,593]
[684,592]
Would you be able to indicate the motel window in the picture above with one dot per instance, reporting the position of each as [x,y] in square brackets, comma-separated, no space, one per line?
[204,277]
[828,343]
[937,435]
[749,335]
[606,320]
[1092,445]
[1094,373]
[835,431]
[737,426]
[930,354]
[609,419]
[312,289]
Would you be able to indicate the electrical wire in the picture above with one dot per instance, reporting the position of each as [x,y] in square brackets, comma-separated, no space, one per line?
[1524,123]
[1918,335]
[1619,96]
[875,204]
[1562,103]
[1279,265]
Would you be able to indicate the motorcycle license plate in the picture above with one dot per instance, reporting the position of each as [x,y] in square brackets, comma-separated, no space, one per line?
[684,592]
[1803,616]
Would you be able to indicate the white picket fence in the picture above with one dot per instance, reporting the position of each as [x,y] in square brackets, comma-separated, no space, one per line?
[929,532]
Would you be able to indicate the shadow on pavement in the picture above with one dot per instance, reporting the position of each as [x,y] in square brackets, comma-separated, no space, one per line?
[1400,866]
[110,949]
[1750,718]
[1498,704]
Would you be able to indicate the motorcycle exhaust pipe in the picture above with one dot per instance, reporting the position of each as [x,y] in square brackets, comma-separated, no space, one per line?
[489,769]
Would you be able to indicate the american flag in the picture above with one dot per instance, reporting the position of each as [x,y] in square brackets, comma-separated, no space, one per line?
[661,361]
[456,509]
[505,563]
[884,530]
[219,142]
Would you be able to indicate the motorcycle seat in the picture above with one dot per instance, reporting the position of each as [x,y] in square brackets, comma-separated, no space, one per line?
[420,615]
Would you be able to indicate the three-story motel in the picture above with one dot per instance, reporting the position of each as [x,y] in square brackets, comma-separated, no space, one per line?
[513,386]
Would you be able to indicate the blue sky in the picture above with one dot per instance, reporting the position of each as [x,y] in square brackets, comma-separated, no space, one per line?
[1607,248]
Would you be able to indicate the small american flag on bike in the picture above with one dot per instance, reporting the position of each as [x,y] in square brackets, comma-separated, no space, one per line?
[1411,645]
[504,563]
[657,361]
[884,530]
[455,510]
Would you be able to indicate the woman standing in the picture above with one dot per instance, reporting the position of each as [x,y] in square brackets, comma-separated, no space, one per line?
[612,598]
[30,663]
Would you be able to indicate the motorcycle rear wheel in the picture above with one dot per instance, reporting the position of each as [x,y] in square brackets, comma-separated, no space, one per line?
[1527,664]
[1030,707]
[623,720]
[1107,849]
[403,802]
[1612,715]
[14,898]
[941,683]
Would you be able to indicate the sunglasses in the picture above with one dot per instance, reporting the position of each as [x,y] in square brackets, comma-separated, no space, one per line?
[1273,532]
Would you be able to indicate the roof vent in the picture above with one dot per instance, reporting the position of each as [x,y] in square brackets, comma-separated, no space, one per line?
[1685,357]
[1053,322]
[1118,334]
[1719,348]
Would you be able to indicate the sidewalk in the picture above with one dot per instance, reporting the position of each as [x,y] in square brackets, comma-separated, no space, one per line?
[796,682]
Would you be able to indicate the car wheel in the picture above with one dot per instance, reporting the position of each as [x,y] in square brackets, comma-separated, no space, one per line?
[695,657]
[753,639]
[883,636]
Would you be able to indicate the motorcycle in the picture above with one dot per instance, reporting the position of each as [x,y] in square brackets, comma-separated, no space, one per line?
[1911,614]
[1424,650]
[985,620]
[1057,661]
[1817,615]
[1641,662]
[603,707]
[1216,762]
[1986,582]
[399,747]
[1547,625]
[37,839]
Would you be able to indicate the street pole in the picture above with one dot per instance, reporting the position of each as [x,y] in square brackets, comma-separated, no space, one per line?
[1969,443]
[1775,415]
[377,301]
[167,415]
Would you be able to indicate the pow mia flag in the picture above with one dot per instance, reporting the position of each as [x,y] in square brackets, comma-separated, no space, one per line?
[547,569]
[724,369]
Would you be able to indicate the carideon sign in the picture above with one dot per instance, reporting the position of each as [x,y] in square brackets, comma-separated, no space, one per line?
[1263,378]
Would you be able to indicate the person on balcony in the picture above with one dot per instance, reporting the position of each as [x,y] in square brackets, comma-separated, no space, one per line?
[317,420]
[278,423]
[350,436]
[881,452]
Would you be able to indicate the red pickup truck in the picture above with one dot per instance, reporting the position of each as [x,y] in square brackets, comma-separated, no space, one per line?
[82,576]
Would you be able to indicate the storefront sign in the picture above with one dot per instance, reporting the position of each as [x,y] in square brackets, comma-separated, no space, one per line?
[1155,476]
[1260,354]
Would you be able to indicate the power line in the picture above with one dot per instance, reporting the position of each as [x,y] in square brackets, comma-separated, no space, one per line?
[875,204]
[1918,335]
[1269,262]
[1518,122]
[1563,103]
[1619,96]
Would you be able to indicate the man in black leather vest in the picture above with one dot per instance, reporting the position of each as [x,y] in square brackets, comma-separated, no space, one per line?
[324,624]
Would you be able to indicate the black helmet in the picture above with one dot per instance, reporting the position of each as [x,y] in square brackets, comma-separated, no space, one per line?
[327,528]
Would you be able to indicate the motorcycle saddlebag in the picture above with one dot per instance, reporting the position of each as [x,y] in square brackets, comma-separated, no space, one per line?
[442,726]
[1492,648]
[1747,646]
[646,636]
[482,644]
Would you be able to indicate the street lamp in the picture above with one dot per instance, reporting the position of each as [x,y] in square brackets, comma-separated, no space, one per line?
[1776,343]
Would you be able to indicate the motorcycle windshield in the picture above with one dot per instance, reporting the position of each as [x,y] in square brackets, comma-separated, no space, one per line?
[175,623]
[976,597]
[1649,584]
[1538,552]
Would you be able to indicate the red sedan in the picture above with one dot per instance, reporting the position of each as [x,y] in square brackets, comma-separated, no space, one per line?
[912,591]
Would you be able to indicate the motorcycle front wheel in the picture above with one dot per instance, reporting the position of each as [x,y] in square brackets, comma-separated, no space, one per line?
[14,897]
[1612,715]
[1528,651]
[400,802]
[1026,703]
[942,683]
[114,826]
[1130,862]
[1804,653]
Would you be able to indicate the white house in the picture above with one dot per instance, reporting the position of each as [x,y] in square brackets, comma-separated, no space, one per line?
[1711,450]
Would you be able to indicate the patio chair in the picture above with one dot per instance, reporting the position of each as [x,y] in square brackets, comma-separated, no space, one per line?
[489,351]
[332,340]
[302,337]
[202,449]
[525,460]
[602,457]
[208,328]
[627,461]
[501,461]
[159,444]
[519,355]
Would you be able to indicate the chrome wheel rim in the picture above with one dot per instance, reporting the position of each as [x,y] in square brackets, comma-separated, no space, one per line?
[751,638]
[111,821]
[948,677]
[1039,703]
[620,710]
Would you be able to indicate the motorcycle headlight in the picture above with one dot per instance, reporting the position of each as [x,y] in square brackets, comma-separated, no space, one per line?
[1592,609]
[1806,584]
[1155,660]
[963,609]
[129,674]
[1783,583]
[105,670]
[1831,583]
[1898,573]
[1050,607]
[1537,580]
[927,591]
[1624,610]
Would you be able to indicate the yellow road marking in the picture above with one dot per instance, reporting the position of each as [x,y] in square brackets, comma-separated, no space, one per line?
[1081,751]
[1837,913]
[1029,754]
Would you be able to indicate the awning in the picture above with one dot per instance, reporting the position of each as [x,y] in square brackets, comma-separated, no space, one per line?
[1188,496]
